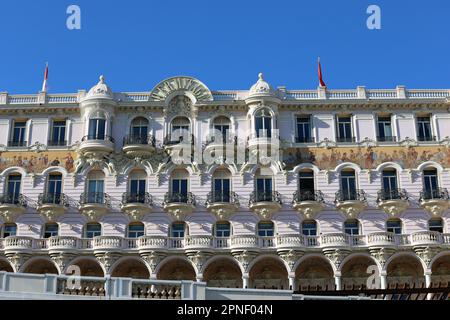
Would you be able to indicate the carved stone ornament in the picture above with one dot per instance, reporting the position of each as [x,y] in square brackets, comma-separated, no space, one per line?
[382,255]
[244,258]
[38,147]
[327,144]
[427,254]
[107,259]
[199,259]
[336,256]
[62,260]
[17,259]
[163,89]
[290,257]
[366,143]
[408,142]
[153,259]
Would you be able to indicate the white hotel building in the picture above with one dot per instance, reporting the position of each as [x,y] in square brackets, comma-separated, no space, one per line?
[361,180]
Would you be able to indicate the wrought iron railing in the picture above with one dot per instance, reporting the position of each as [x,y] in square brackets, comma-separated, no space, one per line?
[17,144]
[426,138]
[304,139]
[95,198]
[438,193]
[350,195]
[53,198]
[187,198]
[169,140]
[56,143]
[308,195]
[222,197]
[221,139]
[392,194]
[346,139]
[139,139]
[144,198]
[16,199]
[98,137]
[257,196]
[387,139]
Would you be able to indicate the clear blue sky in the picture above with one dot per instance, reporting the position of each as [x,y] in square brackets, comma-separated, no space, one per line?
[137,43]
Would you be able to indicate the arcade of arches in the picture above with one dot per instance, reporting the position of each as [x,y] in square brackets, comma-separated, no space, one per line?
[266,273]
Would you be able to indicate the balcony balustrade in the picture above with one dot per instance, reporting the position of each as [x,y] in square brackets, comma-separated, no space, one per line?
[434,201]
[346,139]
[387,139]
[17,144]
[351,202]
[305,140]
[57,143]
[308,202]
[96,145]
[265,204]
[222,203]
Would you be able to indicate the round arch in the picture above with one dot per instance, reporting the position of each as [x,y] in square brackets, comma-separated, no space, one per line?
[148,169]
[6,266]
[40,265]
[314,270]
[354,270]
[440,269]
[137,116]
[89,266]
[429,164]
[347,165]
[388,165]
[222,271]
[176,268]
[55,169]
[306,166]
[268,272]
[405,269]
[215,167]
[130,267]
[14,170]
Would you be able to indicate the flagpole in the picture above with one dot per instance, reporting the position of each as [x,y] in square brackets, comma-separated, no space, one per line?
[44,84]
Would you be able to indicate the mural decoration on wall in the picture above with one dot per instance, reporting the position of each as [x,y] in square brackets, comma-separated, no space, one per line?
[34,162]
[366,158]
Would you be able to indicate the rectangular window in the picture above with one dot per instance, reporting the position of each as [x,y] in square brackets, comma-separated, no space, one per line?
[348,185]
[96,191]
[54,188]
[178,230]
[394,227]
[351,228]
[51,230]
[436,225]
[309,228]
[223,230]
[389,181]
[135,231]
[58,133]
[303,129]
[223,129]
[345,129]
[93,230]
[9,230]
[18,134]
[265,229]
[385,129]
[264,189]
[13,188]
[430,184]
[263,126]
[221,190]
[424,129]
[97,129]
[179,190]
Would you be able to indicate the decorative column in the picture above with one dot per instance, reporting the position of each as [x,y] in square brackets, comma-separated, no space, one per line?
[428,283]
[245,281]
[292,285]
[338,281]
[383,278]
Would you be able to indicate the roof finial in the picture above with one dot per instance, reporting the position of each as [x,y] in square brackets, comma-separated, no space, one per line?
[102,79]
[261,76]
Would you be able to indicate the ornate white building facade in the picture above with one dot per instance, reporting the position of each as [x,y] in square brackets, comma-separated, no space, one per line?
[355,182]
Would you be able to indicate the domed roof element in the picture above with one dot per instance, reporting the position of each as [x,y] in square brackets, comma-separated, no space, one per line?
[261,87]
[100,90]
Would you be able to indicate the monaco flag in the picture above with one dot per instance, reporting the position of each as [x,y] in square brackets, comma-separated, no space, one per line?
[321,83]
[44,84]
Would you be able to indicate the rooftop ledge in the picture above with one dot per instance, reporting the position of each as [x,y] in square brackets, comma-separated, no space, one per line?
[360,93]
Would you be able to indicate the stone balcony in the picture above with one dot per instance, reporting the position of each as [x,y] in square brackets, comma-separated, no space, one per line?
[351,202]
[139,146]
[265,204]
[435,201]
[94,205]
[264,141]
[11,206]
[179,205]
[52,205]
[393,202]
[136,206]
[218,144]
[308,202]
[222,204]
[96,146]
[113,243]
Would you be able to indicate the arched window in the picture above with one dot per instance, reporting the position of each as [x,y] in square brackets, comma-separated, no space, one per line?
[263,123]
[222,127]
[266,229]
[54,188]
[309,228]
[222,185]
[13,188]
[50,230]
[222,229]
[135,230]
[9,230]
[178,230]
[430,184]
[390,186]
[180,129]
[97,127]
[179,186]
[96,187]
[137,186]
[92,230]
[394,226]
[306,185]
[351,227]
[348,185]
[264,185]
[436,225]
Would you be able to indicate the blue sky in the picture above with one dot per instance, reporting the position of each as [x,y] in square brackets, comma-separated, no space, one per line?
[137,43]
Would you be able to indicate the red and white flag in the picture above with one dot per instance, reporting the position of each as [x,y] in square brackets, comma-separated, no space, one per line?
[44,84]
[321,83]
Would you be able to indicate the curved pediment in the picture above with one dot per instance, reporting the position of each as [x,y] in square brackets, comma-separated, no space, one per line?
[164,89]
